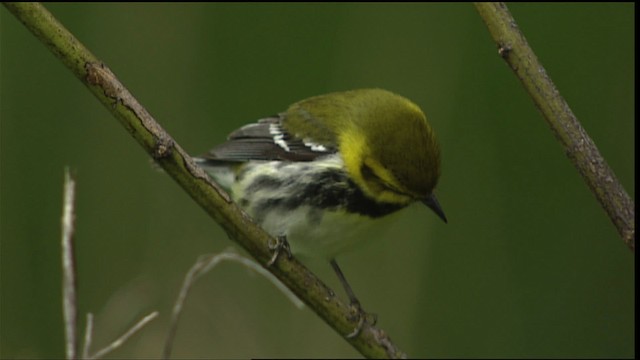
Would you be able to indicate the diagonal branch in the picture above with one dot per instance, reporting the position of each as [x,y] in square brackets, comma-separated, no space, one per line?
[581,150]
[372,342]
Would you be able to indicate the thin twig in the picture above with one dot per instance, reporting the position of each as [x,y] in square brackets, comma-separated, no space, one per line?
[124,337]
[69,306]
[581,150]
[203,265]
[88,336]
[231,256]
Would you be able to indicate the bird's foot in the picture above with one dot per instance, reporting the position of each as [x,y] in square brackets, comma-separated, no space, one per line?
[281,244]
[361,317]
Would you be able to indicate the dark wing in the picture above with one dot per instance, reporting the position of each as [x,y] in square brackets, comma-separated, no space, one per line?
[266,140]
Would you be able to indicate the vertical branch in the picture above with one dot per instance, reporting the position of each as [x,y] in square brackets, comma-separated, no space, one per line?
[69,307]
[581,150]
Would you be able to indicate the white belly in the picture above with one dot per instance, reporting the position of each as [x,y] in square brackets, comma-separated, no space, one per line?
[327,237]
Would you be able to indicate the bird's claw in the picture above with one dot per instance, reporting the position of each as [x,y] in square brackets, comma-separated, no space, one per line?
[279,245]
[361,317]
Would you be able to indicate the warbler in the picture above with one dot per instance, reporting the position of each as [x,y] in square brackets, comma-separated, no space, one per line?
[328,166]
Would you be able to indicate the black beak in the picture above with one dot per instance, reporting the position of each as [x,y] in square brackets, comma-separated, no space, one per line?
[433,204]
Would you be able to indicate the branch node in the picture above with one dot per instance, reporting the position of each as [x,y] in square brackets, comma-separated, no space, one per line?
[100,75]
[504,50]
[163,147]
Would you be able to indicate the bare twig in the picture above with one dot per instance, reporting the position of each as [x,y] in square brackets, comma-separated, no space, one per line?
[124,337]
[69,286]
[203,265]
[581,150]
[88,336]
[69,307]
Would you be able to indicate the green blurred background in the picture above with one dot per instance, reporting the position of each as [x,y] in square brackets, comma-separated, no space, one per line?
[528,266]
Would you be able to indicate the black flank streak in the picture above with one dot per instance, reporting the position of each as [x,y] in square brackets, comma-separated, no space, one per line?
[263,182]
[329,190]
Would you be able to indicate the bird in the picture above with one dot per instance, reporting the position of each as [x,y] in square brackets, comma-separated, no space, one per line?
[328,167]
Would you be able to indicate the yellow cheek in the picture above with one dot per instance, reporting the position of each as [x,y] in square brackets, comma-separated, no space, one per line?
[354,150]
